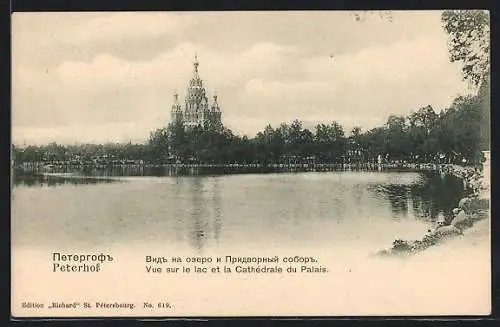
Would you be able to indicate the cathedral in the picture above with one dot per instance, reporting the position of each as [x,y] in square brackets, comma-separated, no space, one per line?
[196,110]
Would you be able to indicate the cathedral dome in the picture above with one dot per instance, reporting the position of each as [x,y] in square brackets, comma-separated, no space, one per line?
[197,111]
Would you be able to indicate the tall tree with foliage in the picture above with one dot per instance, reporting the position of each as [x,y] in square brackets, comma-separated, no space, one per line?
[396,137]
[469,43]
[422,133]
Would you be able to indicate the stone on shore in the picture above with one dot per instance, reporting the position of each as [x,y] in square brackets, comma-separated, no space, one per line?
[482,203]
[471,205]
[405,247]
[461,220]
[401,245]
[465,204]
[446,231]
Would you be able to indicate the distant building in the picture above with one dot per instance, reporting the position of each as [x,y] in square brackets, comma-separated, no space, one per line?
[196,110]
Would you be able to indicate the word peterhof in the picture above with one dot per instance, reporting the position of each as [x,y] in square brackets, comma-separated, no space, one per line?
[78,262]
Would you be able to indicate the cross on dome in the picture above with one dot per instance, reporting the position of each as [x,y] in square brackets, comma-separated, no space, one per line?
[196,63]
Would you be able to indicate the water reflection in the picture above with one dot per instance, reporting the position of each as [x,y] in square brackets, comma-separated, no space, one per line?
[39,180]
[198,213]
[217,208]
[159,171]
[434,194]
[203,212]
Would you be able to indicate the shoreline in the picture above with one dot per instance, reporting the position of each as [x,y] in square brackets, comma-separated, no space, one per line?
[111,172]
[472,213]
[471,177]
[453,169]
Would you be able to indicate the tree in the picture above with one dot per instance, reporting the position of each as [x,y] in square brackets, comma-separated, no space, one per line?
[425,118]
[466,124]
[469,32]
[295,136]
[355,149]
[396,137]
[330,142]
[374,142]
[159,144]
[356,131]
[484,98]
[422,138]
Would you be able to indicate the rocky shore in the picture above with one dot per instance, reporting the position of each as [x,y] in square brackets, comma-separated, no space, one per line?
[469,210]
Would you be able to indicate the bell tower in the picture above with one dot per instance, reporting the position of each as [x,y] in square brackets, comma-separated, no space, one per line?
[196,99]
[176,112]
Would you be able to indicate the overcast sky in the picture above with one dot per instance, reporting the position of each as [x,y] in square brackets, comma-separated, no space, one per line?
[110,77]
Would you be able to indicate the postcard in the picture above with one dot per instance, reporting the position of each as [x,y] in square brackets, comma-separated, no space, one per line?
[250,163]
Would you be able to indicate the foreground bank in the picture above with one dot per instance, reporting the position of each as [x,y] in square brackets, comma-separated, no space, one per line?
[469,211]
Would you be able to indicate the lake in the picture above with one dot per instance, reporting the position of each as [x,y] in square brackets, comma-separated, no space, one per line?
[223,211]
[340,218]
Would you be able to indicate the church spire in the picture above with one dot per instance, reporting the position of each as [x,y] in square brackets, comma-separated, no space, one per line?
[197,110]
[196,64]
[215,105]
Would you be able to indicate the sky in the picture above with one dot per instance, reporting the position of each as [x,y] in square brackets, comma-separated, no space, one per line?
[110,76]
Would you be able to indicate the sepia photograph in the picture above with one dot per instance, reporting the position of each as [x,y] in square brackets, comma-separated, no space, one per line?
[250,163]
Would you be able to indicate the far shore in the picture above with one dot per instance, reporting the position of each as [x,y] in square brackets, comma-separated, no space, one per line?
[466,173]
[57,166]
[471,176]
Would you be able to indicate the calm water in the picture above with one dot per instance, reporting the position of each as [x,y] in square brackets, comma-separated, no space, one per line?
[219,212]
[340,218]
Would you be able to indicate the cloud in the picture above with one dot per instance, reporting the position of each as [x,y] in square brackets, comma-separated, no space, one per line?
[116,90]
[130,24]
[175,66]
[51,38]
[90,26]
[264,81]
[374,82]
[85,133]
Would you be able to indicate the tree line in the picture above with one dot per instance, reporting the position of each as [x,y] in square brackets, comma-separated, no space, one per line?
[451,135]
